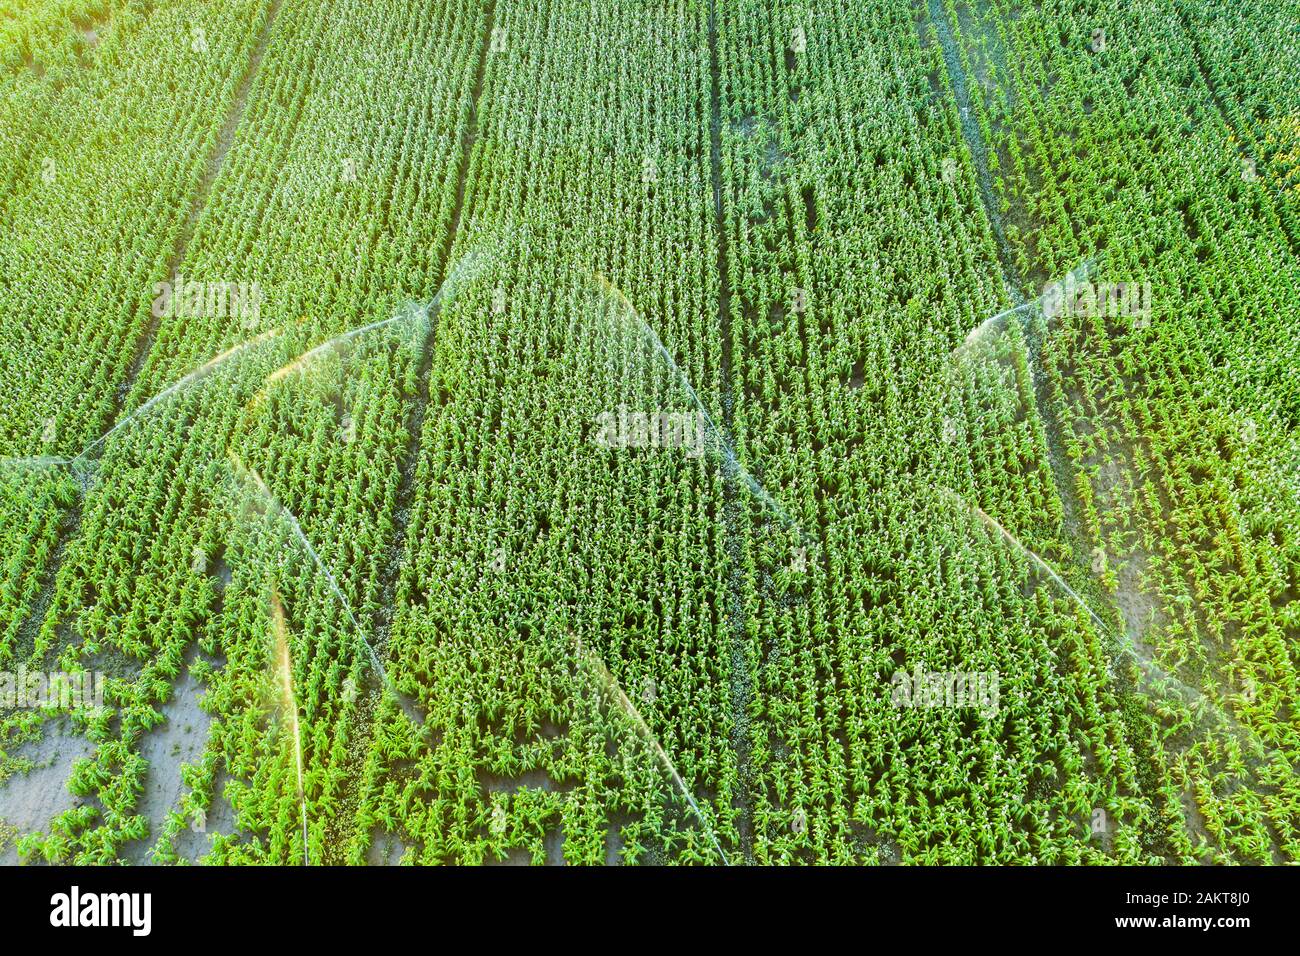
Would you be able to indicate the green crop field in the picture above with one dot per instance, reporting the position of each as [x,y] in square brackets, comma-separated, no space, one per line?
[662,432]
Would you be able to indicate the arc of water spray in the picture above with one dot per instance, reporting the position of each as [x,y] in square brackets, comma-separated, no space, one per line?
[469,268]
[199,373]
[253,479]
[1152,670]
[471,264]
[239,469]
[728,454]
[1055,291]
[1061,583]
[40,462]
[1016,543]
[250,477]
[1060,292]
[978,332]
[974,510]
[1077,275]
[1049,303]
[330,345]
[612,685]
[1054,297]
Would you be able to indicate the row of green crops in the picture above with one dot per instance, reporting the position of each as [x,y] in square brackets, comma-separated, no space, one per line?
[327,159]
[860,255]
[1178,425]
[545,574]
[100,155]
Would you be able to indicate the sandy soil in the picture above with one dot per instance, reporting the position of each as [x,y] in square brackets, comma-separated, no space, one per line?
[29,801]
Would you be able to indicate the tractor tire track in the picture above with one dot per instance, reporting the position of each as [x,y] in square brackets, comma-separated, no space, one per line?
[1061,466]
[410,456]
[979,149]
[199,201]
[732,509]
[394,560]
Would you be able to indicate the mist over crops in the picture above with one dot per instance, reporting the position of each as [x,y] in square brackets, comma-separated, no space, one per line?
[674,432]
